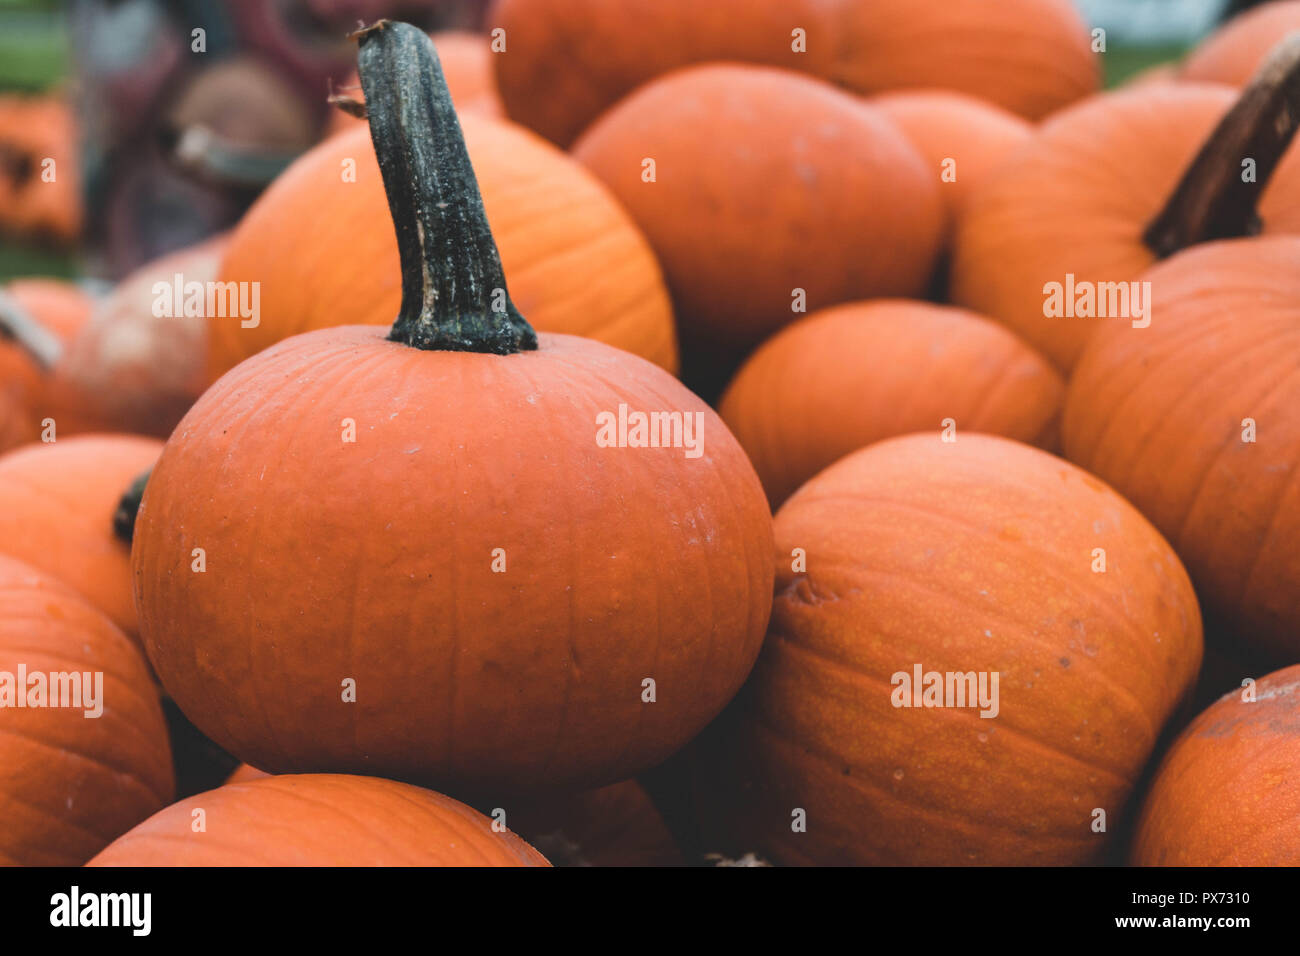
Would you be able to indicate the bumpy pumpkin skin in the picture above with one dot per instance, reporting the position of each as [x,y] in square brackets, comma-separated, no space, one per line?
[57,503]
[324,252]
[1077,199]
[1235,51]
[1159,412]
[621,564]
[25,392]
[974,135]
[1225,793]
[319,820]
[854,374]
[970,556]
[70,784]
[846,206]
[466,60]
[1028,56]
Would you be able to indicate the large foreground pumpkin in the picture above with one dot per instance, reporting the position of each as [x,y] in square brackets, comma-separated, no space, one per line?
[319,820]
[57,503]
[1226,792]
[855,374]
[978,557]
[322,252]
[71,783]
[566,61]
[769,190]
[434,554]
[1196,420]
[1053,242]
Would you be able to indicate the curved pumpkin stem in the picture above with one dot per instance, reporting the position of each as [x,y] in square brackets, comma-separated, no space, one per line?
[127,509]
[454,294]
[1213,200]
[21,326]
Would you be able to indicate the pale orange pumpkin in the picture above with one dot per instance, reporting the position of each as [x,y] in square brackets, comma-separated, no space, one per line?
[1232,53]
[854,374]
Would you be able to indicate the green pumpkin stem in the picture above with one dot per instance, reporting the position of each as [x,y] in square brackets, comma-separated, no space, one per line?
[128,506]
[1212,201]
[27,333]
[451,272]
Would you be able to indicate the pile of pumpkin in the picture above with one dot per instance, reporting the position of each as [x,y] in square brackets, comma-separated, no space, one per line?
[394,574]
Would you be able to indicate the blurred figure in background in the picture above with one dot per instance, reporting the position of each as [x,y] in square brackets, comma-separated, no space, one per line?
[188,108]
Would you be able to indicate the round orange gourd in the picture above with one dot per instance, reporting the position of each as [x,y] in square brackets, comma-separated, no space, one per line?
[767,182]
[975,557]
[1161,414]
[140,361]
[319,820]
[466,59]
[483,568]
[854,374]
[1225,793]
[71,783]
[40,177]
[963,139]
[322,250]
[1028,56]
[59,310]
[1236,50]
[1091,203]
[57,503]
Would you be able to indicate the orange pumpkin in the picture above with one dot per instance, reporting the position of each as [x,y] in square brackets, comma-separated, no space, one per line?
[40,183]
[244,773]
[963,139]
[1051,244]
[768,188]
[1236,50]
[319,820]
[1028,56]
[854,374]
[1168,415]
[55,311]
[524,648]
[1225,793]
[466,60]
[57,503]
[959,561]
[140,362]
[322,251]
[70,783]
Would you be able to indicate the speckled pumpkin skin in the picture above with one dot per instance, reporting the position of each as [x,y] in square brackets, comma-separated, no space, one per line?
[70,784]
[1226,793]
[372,560]
[319,820]
[970,556]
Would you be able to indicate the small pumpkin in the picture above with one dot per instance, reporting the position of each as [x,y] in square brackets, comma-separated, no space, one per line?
[963,139]
[1233,53]
[139,363]
[1196,420]
[71,783]
[965,560]
[38,319]
[770,192]
[1225,794]
[854,374]
[40,183]
[320,252]
[466,59]
[319,820]
[481,555]
[1027,56]
[1057,236]
[57,504]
